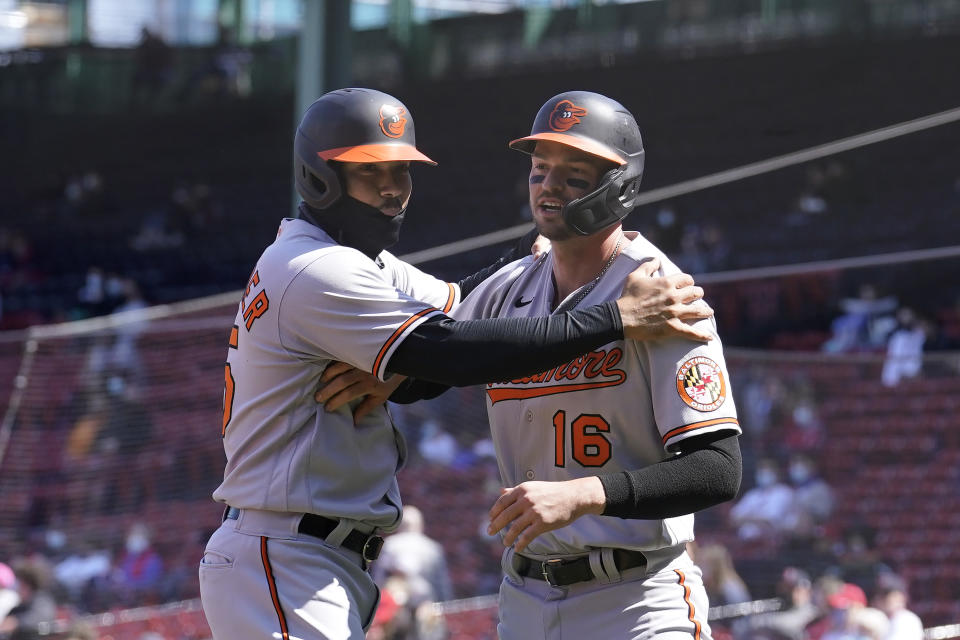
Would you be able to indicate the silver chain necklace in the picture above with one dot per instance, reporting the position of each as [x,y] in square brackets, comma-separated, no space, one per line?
[587,288]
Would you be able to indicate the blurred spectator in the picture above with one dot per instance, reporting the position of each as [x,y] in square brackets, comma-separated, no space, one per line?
[180,567]
[761,401]
[392,620]
[138,572]
[92,296]
[152,67]
[436,445]
[858,559]
[865,323]
[222,73]
[799,609]
[16,258]
[123,356]
[703,248]
[804,431]
[904,349]
[84,195]
[891,597]
[668,229]
[193,208]
[9,598]
[418,558]
[813,498]
[115,351]
[840,624]
[823,187]
[868,623]
[157,231]
[85,488]
[36,605]
[102,292]
[761,513]
[723,584]
[84,569]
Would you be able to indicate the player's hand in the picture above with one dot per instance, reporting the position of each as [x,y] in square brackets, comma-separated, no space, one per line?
[656,307]
[342,383]
[540,246]
[532,508]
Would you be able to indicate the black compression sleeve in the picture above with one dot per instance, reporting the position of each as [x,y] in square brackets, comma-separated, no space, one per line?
[413,389]
[519,250]
[705,473]
[467,352]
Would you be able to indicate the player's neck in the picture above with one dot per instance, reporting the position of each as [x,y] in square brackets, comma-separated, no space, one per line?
[577,261]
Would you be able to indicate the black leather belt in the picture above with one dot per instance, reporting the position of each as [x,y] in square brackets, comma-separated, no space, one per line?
[560,572]
[367,545]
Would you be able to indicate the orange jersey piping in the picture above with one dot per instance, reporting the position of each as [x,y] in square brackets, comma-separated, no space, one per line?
[393,338]
[450,298]
[698,425]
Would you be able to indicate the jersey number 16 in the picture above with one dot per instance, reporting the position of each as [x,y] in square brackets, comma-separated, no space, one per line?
[588,445]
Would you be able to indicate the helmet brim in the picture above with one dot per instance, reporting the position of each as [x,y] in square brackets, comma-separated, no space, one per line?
[375,153]
[583,144]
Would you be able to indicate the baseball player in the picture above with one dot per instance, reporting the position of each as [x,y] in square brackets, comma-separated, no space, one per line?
[620,445]
[307,492]
[606,457]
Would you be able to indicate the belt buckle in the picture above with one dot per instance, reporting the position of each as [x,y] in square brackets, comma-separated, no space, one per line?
[546,570]
[371,548]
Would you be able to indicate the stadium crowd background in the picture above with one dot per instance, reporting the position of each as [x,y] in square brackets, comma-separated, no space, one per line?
[155,174]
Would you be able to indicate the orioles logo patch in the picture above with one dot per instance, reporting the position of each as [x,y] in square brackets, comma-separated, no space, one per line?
[700,384]
[392,122]
[565,115]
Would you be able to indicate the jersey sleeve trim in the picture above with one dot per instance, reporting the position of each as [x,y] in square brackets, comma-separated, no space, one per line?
[703,424]
[451,298]
[391,341]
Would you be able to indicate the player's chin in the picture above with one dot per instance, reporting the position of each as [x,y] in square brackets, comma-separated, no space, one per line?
[554,228]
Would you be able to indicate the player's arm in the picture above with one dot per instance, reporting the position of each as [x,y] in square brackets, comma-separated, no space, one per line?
[705,473]
[442,352]
[468,352]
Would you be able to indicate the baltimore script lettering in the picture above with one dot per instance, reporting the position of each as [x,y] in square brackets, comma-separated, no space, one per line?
[597,368]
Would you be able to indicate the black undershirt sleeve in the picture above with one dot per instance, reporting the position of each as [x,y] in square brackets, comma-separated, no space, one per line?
[519,250]
[467,352]
[413,389]
[705,473]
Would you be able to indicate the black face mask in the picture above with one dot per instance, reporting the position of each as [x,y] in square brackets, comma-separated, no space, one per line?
[355,224]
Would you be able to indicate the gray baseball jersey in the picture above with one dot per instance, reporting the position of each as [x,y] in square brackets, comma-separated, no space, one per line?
[310,301]
[624,406]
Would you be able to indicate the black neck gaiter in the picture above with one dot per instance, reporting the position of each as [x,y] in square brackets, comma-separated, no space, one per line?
[355,224]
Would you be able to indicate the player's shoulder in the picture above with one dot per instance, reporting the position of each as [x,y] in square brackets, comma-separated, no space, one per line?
[641,249]
[496,287]
[304,251]
[523,267]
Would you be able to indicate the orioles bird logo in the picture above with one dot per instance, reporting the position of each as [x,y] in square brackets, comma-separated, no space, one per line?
[392,122]
[565,115]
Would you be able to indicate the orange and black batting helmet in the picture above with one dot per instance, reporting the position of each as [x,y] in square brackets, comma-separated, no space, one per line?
[349,125]
[600,126]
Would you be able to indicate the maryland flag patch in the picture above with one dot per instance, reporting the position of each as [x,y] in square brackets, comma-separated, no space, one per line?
[700,384]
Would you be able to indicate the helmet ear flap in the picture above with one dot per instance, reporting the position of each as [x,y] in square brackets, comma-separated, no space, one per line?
[630,182]
[316,182]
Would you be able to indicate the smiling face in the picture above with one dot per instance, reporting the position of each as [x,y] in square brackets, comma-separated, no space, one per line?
[560,174]
[382,185]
